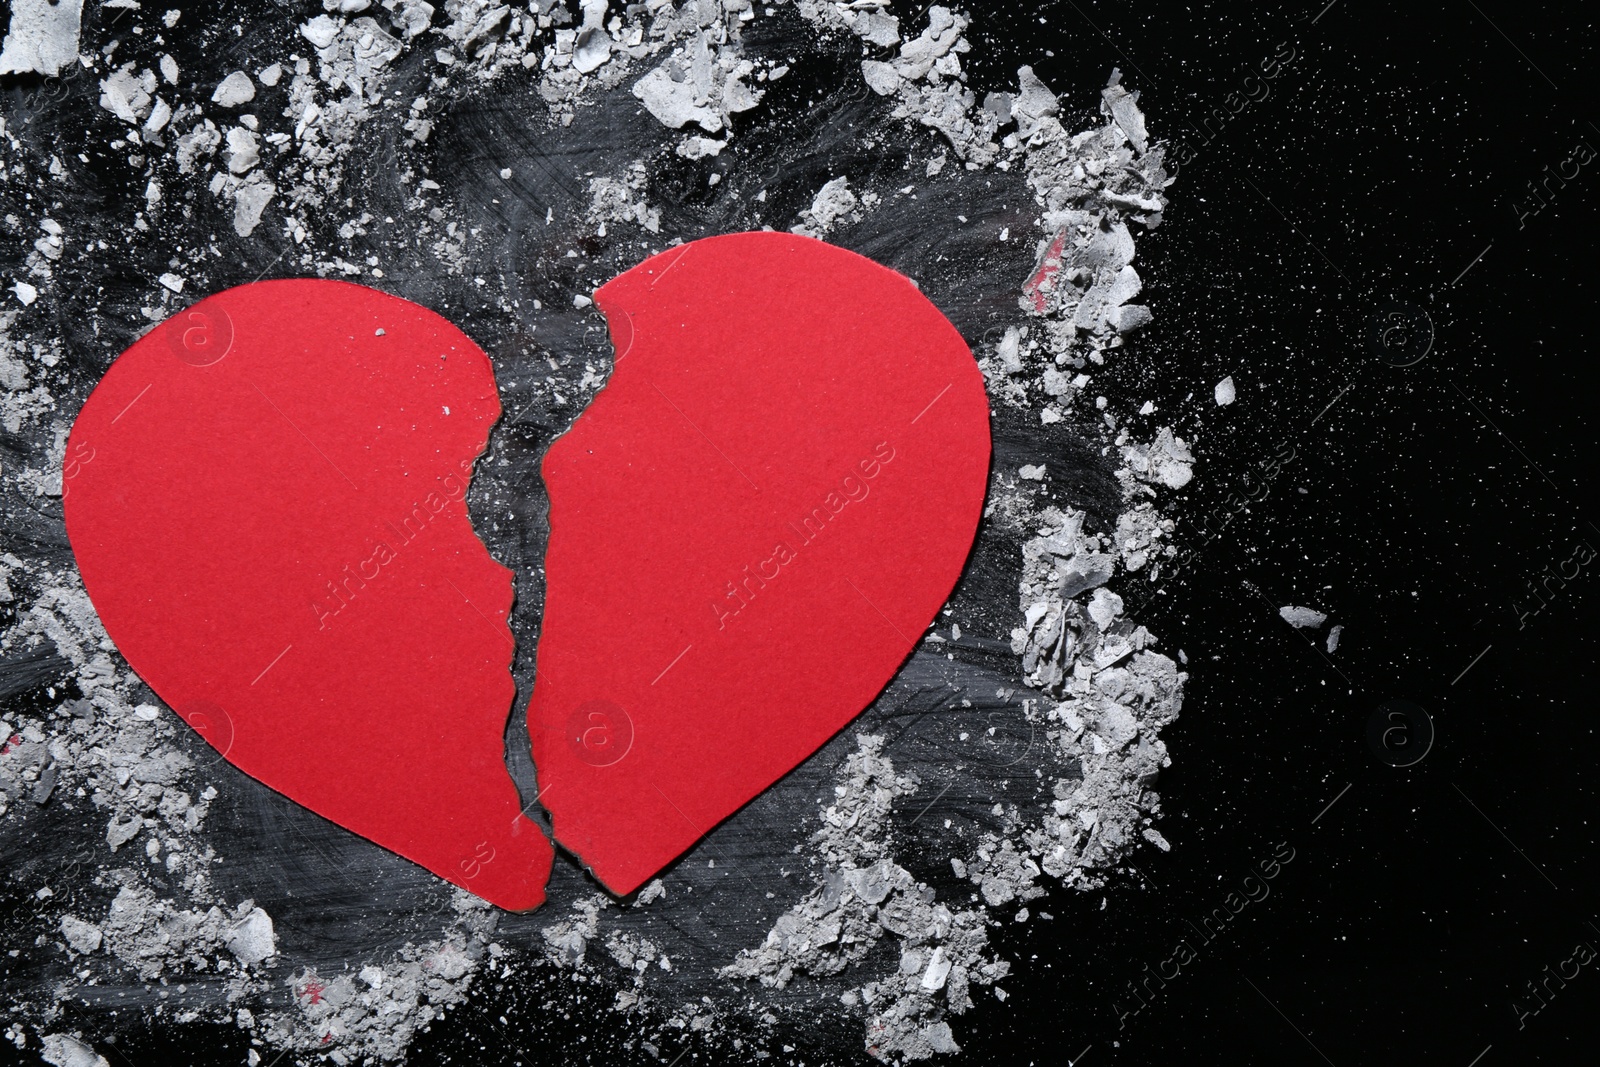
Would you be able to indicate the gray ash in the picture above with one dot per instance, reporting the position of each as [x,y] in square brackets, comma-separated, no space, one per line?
[497,163]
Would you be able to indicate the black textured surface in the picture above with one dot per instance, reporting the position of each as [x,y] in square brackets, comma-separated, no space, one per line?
[1391,153]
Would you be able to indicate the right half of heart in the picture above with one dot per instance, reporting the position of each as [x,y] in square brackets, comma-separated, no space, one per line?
[752,526]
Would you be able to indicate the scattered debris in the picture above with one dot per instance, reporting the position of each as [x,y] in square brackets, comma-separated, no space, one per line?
[924,77]
[42,37]
[68,1050]
[567,942]
[1166,461]
[374,1011]
[706,81]
[910,959]
[862,897]
[83,938]
[1302,618]
[251,939]
[235,90]
[834,203]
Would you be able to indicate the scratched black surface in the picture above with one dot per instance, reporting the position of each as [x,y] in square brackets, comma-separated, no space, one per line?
[1391,152]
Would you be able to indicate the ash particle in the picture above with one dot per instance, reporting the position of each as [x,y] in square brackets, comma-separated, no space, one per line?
[1302,618]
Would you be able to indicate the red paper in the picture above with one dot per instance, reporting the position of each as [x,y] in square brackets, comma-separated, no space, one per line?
[751,527]
[265,498]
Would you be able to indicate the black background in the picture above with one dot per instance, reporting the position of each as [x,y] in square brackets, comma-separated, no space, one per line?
[1385,168]
[1392,152]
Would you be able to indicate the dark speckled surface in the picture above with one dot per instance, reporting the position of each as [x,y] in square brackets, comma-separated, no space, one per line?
[1390,154]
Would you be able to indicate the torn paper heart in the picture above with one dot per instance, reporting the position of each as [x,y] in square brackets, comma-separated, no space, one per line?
[751,527]
[266,498]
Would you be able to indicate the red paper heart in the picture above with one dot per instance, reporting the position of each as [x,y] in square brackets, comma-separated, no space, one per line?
[751,526]
[265,496]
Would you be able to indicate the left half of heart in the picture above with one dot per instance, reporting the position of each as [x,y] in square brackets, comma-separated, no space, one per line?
[266,496]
